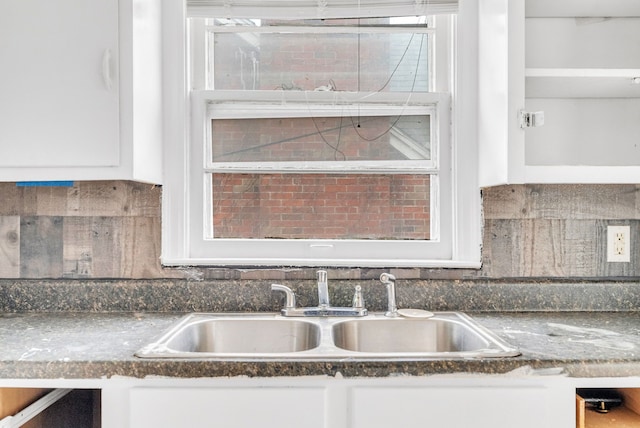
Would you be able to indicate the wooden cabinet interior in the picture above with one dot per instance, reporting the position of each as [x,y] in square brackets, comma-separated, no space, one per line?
[12,400]
[81,408]
[625,416]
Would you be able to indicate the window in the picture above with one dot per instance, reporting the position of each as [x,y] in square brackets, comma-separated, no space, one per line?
[319,142]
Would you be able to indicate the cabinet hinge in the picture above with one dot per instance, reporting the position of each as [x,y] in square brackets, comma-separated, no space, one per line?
[531,119]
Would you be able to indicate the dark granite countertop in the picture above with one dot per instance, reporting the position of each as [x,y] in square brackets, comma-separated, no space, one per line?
[101,345]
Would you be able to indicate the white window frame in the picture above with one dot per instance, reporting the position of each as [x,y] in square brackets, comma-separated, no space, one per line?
[185,216]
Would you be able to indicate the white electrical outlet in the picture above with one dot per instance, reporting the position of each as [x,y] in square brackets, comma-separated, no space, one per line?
[619,244]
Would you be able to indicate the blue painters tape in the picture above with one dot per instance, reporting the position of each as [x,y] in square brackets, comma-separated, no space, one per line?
[44,184]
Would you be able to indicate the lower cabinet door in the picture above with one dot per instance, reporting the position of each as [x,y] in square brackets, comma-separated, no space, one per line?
[456,407]
[230,407]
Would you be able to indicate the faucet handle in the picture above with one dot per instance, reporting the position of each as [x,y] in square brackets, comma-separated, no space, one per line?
[358,300]
[387,277]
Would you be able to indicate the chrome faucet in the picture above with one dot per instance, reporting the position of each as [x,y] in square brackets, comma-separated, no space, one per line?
[392,307]
[323,289]
[324,309]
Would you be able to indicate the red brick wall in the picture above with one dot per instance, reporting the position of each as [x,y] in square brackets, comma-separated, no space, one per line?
[311,205]
[321,206]
[302,61]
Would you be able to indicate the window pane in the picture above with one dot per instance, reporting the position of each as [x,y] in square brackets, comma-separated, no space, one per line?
[321,206]
[355,61]
[321,139]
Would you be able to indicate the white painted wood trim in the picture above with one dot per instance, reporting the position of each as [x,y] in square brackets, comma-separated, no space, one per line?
[182,236]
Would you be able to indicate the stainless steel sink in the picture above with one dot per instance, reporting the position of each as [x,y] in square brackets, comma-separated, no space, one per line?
[235,335]
[440,334]
[271,336]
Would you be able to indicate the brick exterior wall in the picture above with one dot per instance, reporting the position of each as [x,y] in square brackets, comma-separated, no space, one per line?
[321,206]
[302,61]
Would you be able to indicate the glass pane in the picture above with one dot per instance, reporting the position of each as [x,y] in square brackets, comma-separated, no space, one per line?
[321,206]
[348,61]
[321,139]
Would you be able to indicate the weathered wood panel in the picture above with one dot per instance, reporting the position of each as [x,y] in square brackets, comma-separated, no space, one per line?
[41,247]
[140,257]
[78,247]
[523,248]
[50,201]
[582,240]
[100,198]
[92,247]
[79,231]
[113,247]
[9,246]
[557,230]
[13,200]
[115,199]
[107,241]
[579,201]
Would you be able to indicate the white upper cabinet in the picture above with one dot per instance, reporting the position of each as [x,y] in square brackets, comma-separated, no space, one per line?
[80,85]
[575,65]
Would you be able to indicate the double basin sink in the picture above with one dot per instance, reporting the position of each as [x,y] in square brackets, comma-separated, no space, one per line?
[272,336]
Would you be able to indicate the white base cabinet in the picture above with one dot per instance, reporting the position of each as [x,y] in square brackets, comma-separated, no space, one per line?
[517,399]
[352,403]
[459,406]
[228,407]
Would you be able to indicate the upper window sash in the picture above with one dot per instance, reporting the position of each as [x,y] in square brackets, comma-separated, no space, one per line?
[317,9]
[203,34]
[315,29]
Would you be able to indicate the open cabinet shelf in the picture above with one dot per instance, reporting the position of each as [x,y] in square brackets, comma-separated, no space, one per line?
[582,83]
[574,65]
[626,415]
[582,69]
[582,8]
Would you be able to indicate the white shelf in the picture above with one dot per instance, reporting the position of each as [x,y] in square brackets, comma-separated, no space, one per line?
[582,174]
[582,83]
[581,8]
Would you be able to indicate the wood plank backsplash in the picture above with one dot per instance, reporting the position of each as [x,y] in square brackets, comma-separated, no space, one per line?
[558,230]
[90,230]
[111,229]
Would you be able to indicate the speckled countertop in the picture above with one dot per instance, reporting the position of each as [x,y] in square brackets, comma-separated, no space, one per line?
[101,345]
[91,329]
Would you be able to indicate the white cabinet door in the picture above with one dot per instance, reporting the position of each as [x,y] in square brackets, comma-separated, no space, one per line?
[577,62]
[59,83]
[458,407]
[241,407]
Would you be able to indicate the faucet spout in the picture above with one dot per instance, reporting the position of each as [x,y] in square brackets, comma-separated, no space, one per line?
[390,282]
[290,302]
[323,289]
